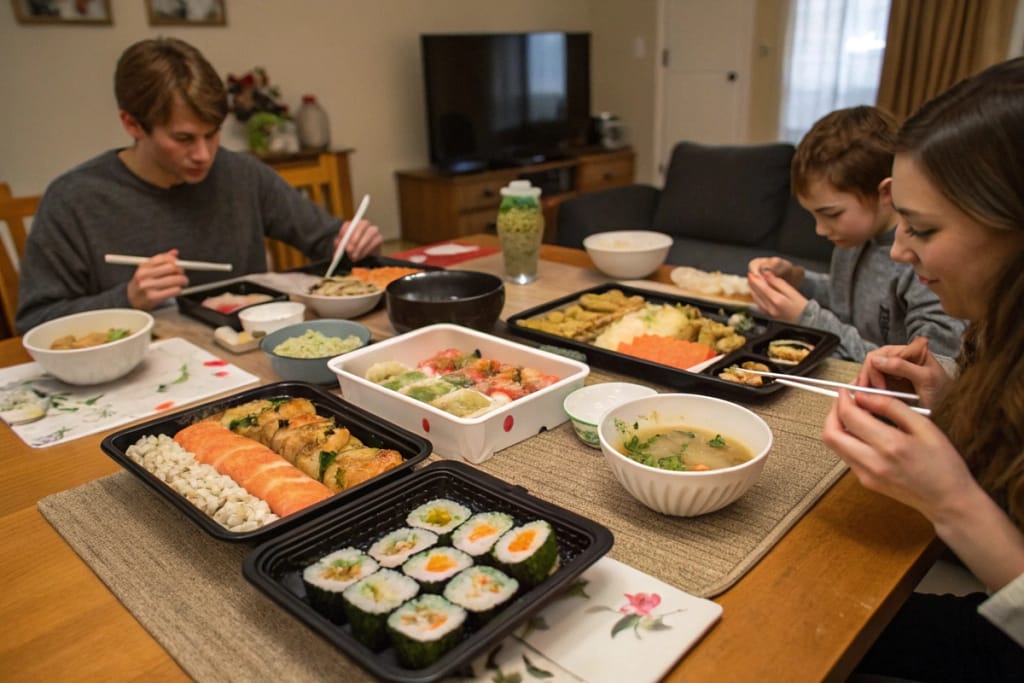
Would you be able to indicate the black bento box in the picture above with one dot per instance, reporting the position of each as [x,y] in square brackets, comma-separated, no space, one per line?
[763,333]
[191,303]
[371,429]
[276,566]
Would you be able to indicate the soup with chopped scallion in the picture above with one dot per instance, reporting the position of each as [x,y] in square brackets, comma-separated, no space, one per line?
[679,448]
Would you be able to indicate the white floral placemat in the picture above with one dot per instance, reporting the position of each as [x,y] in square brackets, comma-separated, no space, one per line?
[614,624]
[173,373]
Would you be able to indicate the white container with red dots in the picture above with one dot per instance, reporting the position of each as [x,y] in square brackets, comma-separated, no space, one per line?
[473,439]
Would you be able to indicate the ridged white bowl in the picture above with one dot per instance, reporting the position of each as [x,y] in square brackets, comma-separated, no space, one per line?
[687,494]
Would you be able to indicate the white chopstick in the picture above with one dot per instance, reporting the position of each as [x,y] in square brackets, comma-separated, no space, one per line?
[779,376]
[123,260]
[348,233]
[834,394]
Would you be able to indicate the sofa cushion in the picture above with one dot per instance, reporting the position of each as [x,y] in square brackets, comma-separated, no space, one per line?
[620,208]
[726,193]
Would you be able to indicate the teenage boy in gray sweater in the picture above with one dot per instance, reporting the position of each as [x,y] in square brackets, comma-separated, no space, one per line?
[840,173]
[173,193]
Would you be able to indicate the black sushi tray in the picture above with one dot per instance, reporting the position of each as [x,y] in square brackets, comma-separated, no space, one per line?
[275,567]
[190,303]
[763,332]
[369,428]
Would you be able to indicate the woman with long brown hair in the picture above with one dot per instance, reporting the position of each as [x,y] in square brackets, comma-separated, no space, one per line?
[958,185]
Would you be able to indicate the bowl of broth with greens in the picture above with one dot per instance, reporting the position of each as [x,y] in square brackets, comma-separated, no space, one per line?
[684,454]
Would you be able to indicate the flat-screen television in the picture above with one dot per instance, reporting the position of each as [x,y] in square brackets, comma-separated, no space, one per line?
[496,100]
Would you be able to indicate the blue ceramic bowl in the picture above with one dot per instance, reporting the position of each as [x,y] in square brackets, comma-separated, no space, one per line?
[312,370]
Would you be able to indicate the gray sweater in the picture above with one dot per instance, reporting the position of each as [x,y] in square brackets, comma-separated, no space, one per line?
[869,300]
[102,207]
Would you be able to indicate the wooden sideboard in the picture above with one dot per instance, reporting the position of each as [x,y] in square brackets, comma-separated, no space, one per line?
[312,161]
[435,206]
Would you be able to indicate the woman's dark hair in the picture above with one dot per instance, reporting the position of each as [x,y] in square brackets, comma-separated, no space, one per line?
[151,74]
[969,143]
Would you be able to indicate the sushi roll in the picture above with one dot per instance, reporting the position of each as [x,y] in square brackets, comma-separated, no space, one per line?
[398,546]
[368,602]
[428,389]
[528,552]
[440,516]
[433,567]
[425,628]
[330,575]
[482,591]
[478,534]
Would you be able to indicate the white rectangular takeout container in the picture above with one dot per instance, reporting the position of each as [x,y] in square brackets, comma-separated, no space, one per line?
[471,439]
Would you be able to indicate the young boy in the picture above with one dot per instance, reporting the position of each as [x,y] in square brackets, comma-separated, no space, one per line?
[840,174]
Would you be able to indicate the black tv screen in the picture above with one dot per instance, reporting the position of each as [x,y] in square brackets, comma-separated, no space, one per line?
[506,99]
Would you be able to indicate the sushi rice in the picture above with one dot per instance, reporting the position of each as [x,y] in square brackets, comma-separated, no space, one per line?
[529,552]
[433,567]
[440,516]
[478,534]
[481,590]
[328,577]
[369,601]
[398,546]
[424,629]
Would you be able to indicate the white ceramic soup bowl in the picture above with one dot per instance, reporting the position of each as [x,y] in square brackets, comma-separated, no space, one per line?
[628,254]
[266,318]
[94,364]
[686,493]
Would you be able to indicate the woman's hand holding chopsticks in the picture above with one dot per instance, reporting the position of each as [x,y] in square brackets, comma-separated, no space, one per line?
[911,367]
[156,280]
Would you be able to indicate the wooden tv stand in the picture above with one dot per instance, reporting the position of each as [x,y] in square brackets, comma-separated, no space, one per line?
[436,207]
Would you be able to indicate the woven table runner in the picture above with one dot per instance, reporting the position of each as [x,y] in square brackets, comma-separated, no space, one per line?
[188,591]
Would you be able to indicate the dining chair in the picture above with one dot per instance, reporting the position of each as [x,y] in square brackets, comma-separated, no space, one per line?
[321,184]
[13,212]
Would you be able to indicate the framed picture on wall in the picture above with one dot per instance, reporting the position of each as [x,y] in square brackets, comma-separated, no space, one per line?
[62,11]
[186,12]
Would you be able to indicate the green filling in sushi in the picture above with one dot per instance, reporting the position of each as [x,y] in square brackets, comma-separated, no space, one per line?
[528,552]
[401,544]
[330,575]
[482,591]
[440,516]
[480,532]
[433,567]
[424,629]
[428,390]
[369,601]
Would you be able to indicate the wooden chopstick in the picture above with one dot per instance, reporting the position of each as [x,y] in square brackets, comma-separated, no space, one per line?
[779,377]
[834,394]
[124,260]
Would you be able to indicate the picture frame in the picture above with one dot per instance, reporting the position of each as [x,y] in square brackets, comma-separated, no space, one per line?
[187,12]
[68,12]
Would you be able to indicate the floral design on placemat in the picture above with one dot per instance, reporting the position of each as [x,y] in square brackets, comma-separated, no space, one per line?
[638,614]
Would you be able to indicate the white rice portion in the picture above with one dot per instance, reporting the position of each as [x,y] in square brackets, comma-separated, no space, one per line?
[440,515]
[216,494]
[339,570]
[541,530]
[418,619]
[481,588]
[417,566]
[381,592]
[479,533]
[401,544]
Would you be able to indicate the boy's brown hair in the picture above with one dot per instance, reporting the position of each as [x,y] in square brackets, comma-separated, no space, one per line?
[151,74]
[850,148]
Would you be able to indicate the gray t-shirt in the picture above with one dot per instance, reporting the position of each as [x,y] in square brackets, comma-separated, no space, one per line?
[102,207]
[869,300]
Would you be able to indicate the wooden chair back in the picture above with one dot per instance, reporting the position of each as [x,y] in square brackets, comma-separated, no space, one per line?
[319,182]
[13,212]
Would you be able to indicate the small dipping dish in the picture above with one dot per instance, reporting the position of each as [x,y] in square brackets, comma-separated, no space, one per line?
[585,406]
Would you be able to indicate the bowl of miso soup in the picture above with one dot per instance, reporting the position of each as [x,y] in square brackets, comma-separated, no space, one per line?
[684,454]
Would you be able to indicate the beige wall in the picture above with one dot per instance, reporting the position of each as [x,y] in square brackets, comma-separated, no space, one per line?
[360,57]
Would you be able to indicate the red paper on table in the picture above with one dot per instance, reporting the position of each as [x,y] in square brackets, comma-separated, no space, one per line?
[444,254]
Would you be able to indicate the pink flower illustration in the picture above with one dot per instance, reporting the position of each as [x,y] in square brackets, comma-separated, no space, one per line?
[641,604]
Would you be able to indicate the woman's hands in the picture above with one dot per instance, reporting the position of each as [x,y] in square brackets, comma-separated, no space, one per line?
[156,280]
[773,282]
[905,368]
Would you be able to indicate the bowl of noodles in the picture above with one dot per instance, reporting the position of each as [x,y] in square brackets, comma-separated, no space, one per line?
[341,297]
[91,347]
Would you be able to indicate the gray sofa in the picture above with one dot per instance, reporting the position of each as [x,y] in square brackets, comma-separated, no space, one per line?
[722,205]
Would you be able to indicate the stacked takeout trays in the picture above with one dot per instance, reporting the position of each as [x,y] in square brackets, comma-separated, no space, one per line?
[190,303]
[276,567]
[704,376]
[372,430]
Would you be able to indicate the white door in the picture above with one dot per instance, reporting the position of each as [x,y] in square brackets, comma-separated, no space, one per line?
[705,69]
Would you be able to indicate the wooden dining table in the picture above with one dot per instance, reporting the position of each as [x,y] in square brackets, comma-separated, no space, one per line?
[808,610]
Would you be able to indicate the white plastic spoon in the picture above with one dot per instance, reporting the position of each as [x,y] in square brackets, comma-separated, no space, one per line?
[348,233]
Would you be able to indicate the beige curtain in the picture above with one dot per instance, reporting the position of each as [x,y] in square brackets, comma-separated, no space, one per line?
[932,44]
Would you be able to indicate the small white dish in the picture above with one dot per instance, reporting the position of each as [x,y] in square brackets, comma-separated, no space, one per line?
[263,319]
[585,406]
